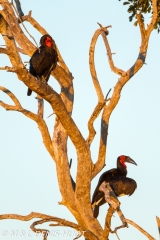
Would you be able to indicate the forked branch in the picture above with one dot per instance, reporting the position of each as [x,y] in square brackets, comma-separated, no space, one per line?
[40,29]
[92,66]
[109,53]
[38,119]
[125,77]
[101,101]
[44,218]
[47,218]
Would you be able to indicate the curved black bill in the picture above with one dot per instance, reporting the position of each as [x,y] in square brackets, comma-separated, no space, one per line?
[130,160]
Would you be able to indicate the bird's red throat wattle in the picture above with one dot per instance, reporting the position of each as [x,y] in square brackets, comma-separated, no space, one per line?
[48,42]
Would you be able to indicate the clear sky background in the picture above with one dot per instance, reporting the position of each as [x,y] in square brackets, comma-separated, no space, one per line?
[28,177]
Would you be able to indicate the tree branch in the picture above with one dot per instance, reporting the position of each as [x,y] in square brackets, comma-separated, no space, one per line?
[141,25]
[92,67]
[8,69]
[66,95]
[47,218]
[43,217]
[140,229]
[21,51]
[40,122]
[37,26]
[114,205]
[20,20]
[153,19]
[78,202]
[58,222]
[19,9]
[101,101]
[40,106]
[3,50]
[61,108]
[19,36]
[107,228]
[117,91]
[113,68]
[158,223]
[95,114]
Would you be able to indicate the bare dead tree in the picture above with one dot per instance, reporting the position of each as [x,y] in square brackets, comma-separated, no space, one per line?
[76,199]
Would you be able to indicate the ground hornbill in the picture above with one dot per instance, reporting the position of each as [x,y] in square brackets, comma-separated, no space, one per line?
[117,180]
[44,60]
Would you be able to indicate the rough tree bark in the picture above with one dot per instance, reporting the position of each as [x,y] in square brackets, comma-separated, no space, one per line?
[78,201]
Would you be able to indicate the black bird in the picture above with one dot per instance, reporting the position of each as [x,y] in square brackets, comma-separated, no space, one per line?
[118,181]
[44,59]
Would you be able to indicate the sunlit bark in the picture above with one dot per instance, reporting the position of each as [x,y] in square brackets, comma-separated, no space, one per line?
[76,200]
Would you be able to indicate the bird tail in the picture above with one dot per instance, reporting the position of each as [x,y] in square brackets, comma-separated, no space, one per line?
[96,211]
[29,92]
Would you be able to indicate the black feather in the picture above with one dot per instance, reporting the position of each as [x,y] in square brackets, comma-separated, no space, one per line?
[43,61]
[118,181]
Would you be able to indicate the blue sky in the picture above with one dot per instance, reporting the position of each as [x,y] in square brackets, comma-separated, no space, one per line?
[28,177]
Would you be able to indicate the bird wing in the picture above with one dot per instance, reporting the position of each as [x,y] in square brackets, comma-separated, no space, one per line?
[106,176]
[123,186]
[43,61]
[36,61]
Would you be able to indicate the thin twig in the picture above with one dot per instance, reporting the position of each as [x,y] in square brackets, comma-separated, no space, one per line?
[117,236]
[50,115]
[24,25]
[8,69]
[80,234]
[107,94]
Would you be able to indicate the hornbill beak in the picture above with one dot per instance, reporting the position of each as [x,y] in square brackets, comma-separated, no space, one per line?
[130,160]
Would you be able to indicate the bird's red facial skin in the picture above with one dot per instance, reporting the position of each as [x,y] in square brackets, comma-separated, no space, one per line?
[122,159]
[48,42]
